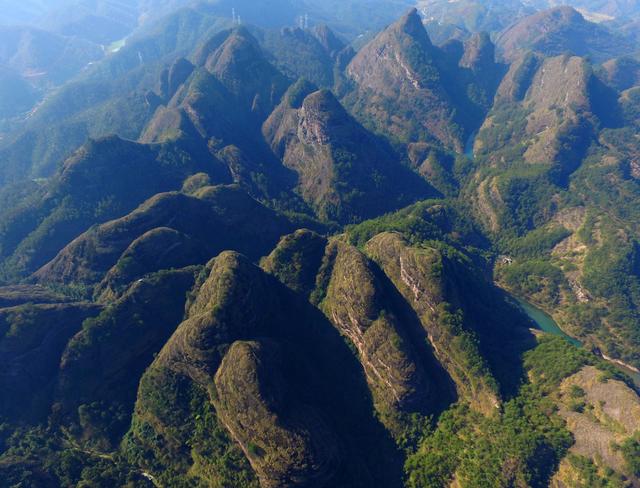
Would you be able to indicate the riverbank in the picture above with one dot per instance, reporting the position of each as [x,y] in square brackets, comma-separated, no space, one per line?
[468,147]
[620,363]
[546,323]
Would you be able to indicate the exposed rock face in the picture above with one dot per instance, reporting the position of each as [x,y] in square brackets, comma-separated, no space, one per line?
[412,91]
[201,110]
[358,306]
[285,440]
[220,108]
[333,358]
[397,72]
[389,315]
[266,361]
[234,302]
[281,125]
[571,72]
[518,79]
[329,41]
[240,66]
[554,98]
[344,172]
[600,415]
[287,443]
[420,276]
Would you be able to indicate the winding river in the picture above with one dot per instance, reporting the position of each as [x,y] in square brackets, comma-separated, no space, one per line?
[468,147]
[542,319]
[546,323]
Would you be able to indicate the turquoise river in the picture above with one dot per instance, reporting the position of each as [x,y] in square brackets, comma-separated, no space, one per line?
[546,323]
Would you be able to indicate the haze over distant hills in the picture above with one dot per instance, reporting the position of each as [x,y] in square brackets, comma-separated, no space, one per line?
[305,243]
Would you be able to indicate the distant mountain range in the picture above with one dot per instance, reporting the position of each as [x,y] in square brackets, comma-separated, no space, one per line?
[319,244]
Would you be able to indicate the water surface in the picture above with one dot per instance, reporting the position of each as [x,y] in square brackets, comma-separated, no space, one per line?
[546,323]
[468,147]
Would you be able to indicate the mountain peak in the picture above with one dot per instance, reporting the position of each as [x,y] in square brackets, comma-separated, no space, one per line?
[237,47]
[565,12]
[241,66]
[328,40]
[339,163]
[411,17]
[561,30]
[297,92]
[209,46]
[411,25]
[400,71]
[323,101]
[478,51]
[323,120]
[238,41]
[232,41]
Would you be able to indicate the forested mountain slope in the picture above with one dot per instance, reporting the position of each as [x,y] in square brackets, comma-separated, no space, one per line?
[239,256]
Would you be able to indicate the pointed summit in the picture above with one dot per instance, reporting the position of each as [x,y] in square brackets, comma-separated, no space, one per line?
[238,48]
[209,46]
[241,66]
[328,40]
[411,25]
[173,77]
[345,173]
[323,105]
[399,85]
[479,52]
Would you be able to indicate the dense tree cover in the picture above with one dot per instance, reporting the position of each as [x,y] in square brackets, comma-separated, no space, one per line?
[523,443]
[631,452]
[299,53]
[537,243]
[608,269]
[429,220]
[535,279]
[38,456]
[217,461]
[559,220]
[593,290]
[590,475]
